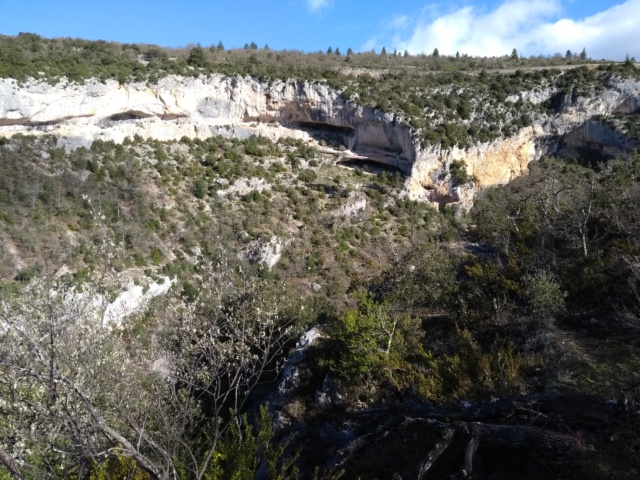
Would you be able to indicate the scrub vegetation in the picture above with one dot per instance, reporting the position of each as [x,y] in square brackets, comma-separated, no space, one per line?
[496,343]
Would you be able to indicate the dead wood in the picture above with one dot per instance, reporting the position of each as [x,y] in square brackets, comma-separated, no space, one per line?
[523,423]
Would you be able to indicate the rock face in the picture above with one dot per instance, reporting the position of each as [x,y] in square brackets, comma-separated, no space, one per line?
[290,377]
[570,128]
[199,107]
[240,107]
[266,253]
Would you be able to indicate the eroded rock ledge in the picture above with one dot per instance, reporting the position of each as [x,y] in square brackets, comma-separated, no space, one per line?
[241,107]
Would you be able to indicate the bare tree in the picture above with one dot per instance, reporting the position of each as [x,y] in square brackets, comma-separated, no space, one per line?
[76,390]
[221,347]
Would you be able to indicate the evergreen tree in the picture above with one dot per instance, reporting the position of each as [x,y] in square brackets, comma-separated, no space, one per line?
[628,62]
[514,54]
[349,52]
[383,52]
[220,46]
[329,51]
[583,54]
[338,51]
[436,52]
[246,46]
[254,46]
[196,57]
[568,55]
[406,53]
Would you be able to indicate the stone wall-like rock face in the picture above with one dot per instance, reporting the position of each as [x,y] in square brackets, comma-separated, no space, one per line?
[569,128]
[597,136]
[239,107]
[491,164]
[198,107]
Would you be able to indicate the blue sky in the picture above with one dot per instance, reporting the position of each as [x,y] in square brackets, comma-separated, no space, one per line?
[606,28]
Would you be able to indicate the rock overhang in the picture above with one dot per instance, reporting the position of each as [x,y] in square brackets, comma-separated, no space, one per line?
[242,106]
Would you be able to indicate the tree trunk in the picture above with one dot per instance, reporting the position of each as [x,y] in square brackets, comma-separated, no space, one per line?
[10,464]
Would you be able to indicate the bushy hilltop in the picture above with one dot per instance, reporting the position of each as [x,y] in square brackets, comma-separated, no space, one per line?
[447,101]
[29,55]
[318,323]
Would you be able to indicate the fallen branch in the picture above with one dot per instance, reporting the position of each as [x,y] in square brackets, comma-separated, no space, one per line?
[480,424]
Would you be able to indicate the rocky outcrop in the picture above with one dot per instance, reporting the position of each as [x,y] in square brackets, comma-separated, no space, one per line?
[266,253]
[200,107]
[596,136]
[240,107]
[569,128]
[491,164]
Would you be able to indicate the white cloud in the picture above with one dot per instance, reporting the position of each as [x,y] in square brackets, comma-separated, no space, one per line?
[315,5]
[533,27]
[370,44]
[398,22]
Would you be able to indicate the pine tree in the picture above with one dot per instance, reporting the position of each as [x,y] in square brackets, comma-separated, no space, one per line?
[329,51]
[196,57]
[220,46]
[514,54]
[583,54]
[568,55]
[349,52]
[436,52]
[254,46]
[383,52]
[338,51]
[406,53]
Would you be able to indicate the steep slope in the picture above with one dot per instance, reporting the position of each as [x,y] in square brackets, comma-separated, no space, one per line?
[238,107]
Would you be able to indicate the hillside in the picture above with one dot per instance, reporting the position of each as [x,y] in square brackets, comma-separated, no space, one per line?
[262,264]
[419,115]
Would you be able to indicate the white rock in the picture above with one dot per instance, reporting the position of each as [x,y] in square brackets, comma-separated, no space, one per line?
[354,206]
[267,254]
[243,186]
[134,300]
[290,379]
[238,107]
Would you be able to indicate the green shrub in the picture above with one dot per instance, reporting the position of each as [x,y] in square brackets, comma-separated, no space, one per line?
[307,175]
[373,342]
[242,450]
[157,256]
[544,295]
[200,188]
[458,171]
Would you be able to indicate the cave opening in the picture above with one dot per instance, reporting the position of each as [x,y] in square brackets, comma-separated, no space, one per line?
[372,166]
[323,127]
[592,144]
[333,135]
[130,115]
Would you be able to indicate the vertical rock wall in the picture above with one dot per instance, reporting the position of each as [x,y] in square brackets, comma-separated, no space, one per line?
[239,107]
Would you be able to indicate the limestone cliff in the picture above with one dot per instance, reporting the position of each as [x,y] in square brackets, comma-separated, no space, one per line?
[240,107]
[569,127]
